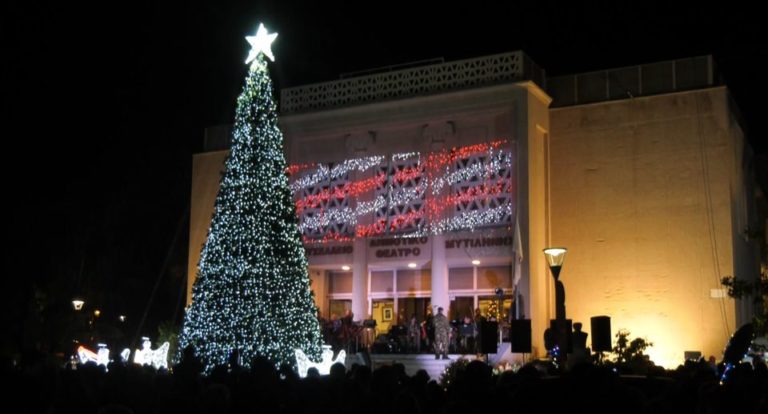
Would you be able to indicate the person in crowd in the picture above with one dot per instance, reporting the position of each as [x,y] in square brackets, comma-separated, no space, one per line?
[348,331]
[414,334]
[442,334]
[468,333]
[580,351]
[429,330]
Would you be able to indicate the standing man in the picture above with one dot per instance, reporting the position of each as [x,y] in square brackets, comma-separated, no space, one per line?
[442,334]
[580,351]
[414,335]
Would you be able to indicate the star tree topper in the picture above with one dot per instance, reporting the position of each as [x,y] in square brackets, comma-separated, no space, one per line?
[261,43]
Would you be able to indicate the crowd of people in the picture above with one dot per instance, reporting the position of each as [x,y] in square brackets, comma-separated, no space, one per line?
[432,334]
[34,385]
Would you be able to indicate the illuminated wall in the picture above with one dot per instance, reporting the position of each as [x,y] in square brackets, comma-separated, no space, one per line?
[642,196]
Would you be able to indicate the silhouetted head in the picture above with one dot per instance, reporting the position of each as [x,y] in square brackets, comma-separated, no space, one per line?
[440,310]
[577,326]
[338,370]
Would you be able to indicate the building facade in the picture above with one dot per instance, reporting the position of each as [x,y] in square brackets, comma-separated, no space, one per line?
[440,185]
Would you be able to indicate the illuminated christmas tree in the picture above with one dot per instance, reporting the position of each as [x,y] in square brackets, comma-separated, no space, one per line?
[492,311]
[252,295]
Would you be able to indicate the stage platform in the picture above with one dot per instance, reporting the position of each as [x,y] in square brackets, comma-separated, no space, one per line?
[415,362]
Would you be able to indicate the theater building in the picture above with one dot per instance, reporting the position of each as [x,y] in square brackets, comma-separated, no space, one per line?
[440,185]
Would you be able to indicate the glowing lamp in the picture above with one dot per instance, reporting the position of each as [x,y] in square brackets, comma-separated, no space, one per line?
[345,268]
[476,262]
[77,304]
[412,265]
[555,258]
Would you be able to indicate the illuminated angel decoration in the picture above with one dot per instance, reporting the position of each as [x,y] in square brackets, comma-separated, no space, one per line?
[324,366]
[101,357]
[158,358]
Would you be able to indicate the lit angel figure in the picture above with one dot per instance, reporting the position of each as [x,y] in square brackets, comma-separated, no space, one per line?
[158,358]
[324,366]
[101,357]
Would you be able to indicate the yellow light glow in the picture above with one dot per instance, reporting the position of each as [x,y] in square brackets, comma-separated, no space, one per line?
[555,255]
[345,268]
[412,265]
[476,262]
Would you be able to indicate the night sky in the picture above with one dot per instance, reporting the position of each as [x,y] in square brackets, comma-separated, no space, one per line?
[104,106]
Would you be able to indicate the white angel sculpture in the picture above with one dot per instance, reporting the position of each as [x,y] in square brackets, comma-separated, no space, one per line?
[324,366]
[101,357]
[158,358]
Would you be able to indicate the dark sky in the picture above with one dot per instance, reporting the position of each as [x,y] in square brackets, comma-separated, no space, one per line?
[104,106]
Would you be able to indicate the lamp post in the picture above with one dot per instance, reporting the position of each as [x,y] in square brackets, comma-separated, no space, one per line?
[562,332]
[555,258]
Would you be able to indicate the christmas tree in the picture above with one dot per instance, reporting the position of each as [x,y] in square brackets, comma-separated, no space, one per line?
[252,295]
[492,311]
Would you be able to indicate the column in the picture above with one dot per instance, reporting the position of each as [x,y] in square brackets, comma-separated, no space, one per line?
[360,279]
[439,274]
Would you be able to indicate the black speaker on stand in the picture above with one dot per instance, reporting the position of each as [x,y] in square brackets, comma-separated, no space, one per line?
[601,334]
[489,335]
[520,335]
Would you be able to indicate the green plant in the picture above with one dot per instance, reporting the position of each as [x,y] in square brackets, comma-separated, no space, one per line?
[630,352]
[452,371]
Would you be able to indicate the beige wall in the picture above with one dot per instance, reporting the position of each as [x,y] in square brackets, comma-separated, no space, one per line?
[533,211]
[641,197]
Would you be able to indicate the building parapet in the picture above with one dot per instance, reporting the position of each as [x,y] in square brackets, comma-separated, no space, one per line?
[415,81]
[632,81]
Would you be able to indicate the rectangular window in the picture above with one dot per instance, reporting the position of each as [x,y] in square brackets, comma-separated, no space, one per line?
[494,277]
[340,282]
[414,280]
[460,278]
[381,282]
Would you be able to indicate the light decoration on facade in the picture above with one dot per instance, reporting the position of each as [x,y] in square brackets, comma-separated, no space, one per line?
[412,179]
[323,367]
[324,173]
[352,189]
[294,168]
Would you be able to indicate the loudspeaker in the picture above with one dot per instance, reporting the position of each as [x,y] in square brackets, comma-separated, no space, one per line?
[562,331]
[489,332]
[601,333]
[520,335]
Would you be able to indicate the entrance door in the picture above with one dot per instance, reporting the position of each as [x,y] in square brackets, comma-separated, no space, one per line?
[407,307]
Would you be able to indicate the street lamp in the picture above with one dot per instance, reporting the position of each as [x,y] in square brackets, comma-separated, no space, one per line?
[77,304]
[555,258]
[560,329]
